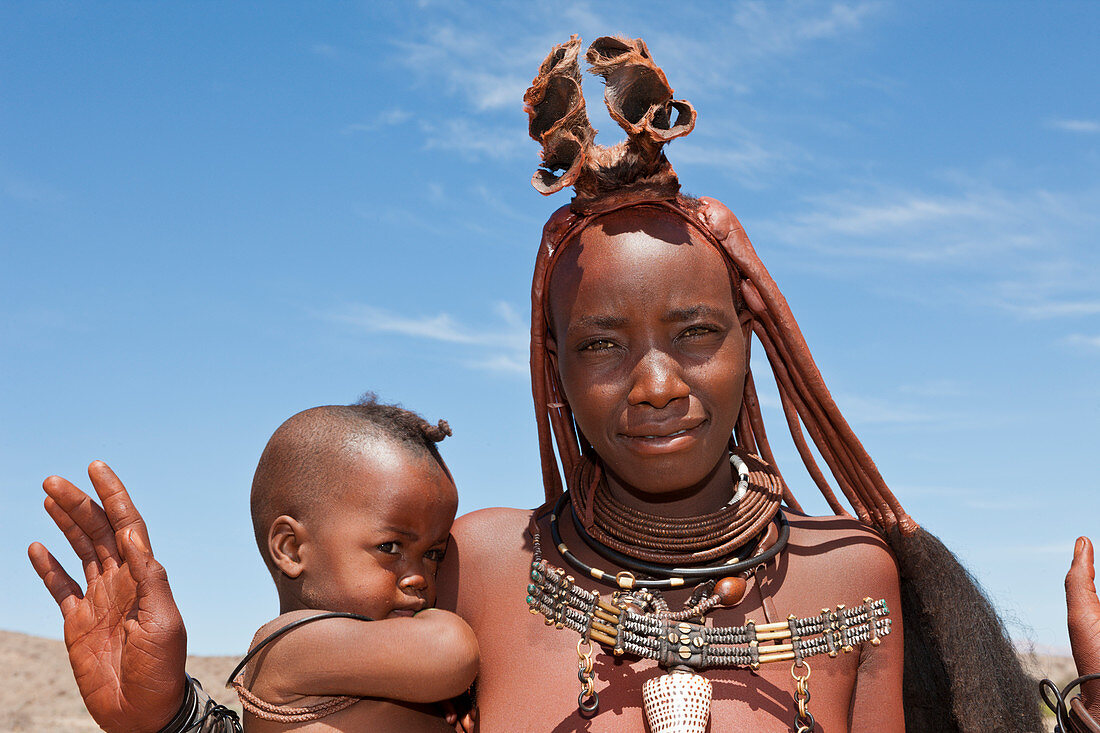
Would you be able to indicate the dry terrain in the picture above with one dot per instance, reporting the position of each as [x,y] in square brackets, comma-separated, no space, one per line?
[39,694]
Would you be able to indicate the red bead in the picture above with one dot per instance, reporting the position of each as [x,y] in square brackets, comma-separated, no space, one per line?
[730,591]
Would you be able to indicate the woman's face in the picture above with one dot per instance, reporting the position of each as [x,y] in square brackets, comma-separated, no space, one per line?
[649,349]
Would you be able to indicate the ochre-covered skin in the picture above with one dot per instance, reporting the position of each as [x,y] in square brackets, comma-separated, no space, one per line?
[528,679]
[626,347]
[660,368]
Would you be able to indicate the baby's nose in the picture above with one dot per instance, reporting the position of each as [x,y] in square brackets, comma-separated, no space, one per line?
[414,581]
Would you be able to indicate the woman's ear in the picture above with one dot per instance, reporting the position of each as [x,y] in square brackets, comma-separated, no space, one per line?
[284,544]
[552,350]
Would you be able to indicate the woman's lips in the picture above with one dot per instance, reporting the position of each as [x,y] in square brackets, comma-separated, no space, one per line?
[658,441]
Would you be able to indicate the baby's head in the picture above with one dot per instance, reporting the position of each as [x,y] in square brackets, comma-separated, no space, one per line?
[352,508]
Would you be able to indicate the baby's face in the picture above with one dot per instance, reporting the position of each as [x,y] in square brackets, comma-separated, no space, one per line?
[377,553]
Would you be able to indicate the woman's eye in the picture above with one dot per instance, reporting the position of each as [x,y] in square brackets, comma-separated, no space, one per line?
[697,331]
[390,548]
[597,345]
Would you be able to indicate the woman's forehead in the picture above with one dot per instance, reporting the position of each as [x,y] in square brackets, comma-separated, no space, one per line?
[634,244]
[661,259]
[641,222]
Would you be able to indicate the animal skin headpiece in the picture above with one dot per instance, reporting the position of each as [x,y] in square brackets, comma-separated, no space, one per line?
[636,174]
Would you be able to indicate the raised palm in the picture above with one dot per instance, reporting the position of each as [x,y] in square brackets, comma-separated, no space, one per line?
[124,634]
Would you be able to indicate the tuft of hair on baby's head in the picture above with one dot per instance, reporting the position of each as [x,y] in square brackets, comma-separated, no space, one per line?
[295,475]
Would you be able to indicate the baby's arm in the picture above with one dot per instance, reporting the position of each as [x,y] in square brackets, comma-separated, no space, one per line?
[428,657]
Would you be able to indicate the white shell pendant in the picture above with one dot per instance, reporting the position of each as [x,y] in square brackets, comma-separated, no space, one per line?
[677,702]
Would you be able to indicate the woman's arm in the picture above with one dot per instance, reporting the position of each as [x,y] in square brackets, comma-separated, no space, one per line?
[877,699]
[428,657]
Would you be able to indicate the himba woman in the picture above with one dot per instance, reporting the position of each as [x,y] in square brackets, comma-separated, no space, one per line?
[673,583]
[661,564]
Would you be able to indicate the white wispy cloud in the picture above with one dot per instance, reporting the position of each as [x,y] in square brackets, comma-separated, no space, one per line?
[734,49]
[1037,307]
[506,340]
[783,28]
[1068,125]
[486,73]
[750,161]
[909,225]
[474,138]
[1063,286]
[1083,340]
[470,64]
[1028,252]
[385,118]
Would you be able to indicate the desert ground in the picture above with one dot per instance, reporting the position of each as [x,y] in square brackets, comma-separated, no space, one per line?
[39,693]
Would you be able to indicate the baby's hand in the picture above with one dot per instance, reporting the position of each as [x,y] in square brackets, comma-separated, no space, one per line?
[461,712]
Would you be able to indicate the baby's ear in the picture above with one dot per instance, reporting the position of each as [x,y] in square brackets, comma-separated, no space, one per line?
[284,545]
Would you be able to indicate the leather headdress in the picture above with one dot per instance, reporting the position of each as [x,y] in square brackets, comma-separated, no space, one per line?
[636,174]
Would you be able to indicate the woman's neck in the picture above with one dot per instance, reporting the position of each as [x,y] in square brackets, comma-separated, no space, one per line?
[704,497]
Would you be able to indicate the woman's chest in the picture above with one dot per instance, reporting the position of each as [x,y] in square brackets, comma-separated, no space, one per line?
[531,676]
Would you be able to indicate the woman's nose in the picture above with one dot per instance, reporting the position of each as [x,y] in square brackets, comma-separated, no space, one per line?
[657,380]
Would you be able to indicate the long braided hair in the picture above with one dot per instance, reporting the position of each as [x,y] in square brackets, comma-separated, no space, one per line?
[948,687]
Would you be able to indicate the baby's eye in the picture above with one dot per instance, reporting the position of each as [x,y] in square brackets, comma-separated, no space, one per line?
[390,548]
[436,554]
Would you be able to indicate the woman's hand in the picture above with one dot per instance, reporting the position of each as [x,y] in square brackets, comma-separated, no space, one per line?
[1084,621]
[125,636]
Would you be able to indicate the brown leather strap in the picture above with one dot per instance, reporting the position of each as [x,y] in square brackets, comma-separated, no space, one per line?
[1080,718]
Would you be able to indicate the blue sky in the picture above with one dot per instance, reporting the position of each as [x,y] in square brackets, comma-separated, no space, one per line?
[213,215]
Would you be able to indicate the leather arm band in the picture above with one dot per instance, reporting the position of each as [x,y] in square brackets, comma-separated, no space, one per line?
[200,714]
[1079,717]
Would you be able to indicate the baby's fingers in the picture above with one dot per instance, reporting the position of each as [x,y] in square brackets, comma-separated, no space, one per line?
[66,593]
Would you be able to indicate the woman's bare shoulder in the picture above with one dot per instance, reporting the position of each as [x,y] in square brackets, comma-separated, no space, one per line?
[839,545]
[491,529]
[842,531]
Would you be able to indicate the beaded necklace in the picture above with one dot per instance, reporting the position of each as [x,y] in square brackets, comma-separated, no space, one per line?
[636,620]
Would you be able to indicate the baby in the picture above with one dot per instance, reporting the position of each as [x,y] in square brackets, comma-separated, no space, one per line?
[352,508]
